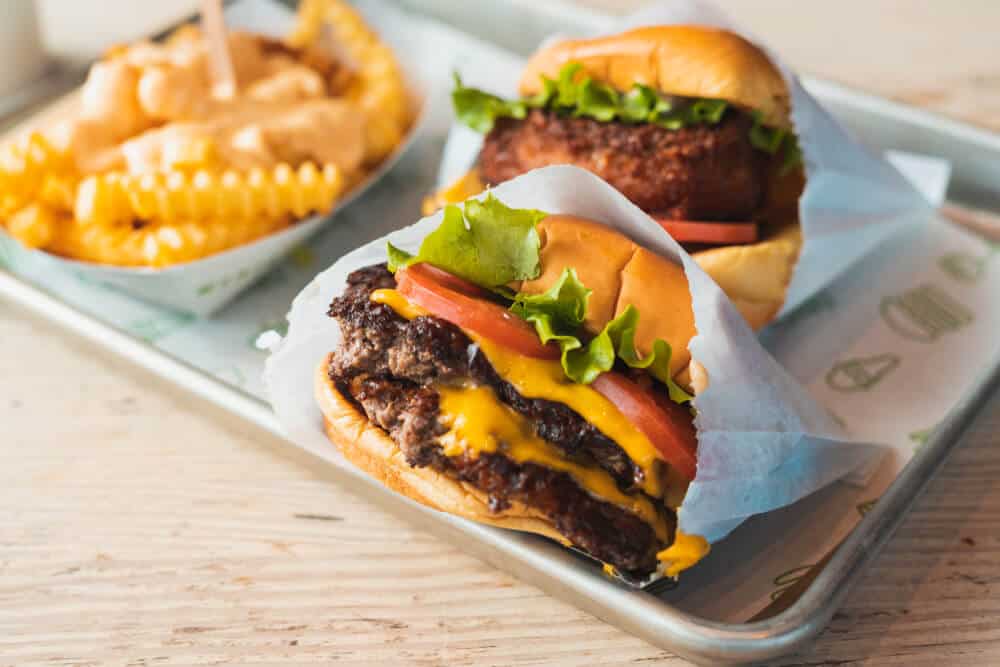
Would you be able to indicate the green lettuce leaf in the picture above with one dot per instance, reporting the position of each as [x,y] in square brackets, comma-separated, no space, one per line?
[763,138]
[559,312]
[545,96]
[707,111]
[567,91]
[398,258]
[479,110]
[598,101]
[563,306]
[485,242]
[621,332]
[771,140]
[641,104]
[791,155]
[583,97]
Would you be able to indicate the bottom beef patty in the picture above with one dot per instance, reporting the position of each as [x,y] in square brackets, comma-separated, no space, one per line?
[386,365]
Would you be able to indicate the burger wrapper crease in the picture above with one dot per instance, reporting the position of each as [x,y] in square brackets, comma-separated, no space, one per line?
[763,443]
[853,199]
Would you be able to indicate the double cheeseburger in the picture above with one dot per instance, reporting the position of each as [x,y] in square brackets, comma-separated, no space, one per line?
[691,123]
[519,371]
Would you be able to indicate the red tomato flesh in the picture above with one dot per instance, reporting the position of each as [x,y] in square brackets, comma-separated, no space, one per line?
[453,282]
[723,233]
[424,286]
[669,426]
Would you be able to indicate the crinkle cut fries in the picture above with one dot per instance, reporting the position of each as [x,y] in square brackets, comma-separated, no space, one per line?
[150,170]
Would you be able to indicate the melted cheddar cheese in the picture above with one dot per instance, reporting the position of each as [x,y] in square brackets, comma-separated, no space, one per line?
[683,553]
[465,186]
[478,422]
[399,303]
[540,378]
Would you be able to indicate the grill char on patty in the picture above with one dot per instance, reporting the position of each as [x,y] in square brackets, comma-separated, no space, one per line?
[386,364]
[699,172]
[408,412]
[378,342]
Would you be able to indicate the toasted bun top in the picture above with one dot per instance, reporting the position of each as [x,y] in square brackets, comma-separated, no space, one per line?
[684,60]
[620,273]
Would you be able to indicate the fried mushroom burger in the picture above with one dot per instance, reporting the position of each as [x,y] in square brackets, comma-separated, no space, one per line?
[691,123]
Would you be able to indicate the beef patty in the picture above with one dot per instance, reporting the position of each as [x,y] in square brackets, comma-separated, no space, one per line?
[699,172]
[386,365]
[378,342]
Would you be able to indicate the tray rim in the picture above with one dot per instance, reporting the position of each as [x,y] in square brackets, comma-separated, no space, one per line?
[552,568]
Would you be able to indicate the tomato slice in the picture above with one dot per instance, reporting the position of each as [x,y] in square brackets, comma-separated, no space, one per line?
[726,233]
[451,281]
[669,426]
[420,284]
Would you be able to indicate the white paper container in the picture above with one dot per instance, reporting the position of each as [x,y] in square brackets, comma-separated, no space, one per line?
[204,286]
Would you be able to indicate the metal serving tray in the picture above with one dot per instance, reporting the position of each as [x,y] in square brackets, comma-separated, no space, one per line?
[975,156]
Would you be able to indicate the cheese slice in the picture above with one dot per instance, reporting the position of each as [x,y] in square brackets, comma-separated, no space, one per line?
[478,422]
[540,378]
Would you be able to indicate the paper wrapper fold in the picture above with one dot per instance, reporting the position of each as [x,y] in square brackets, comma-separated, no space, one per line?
[853,199]
[763,442]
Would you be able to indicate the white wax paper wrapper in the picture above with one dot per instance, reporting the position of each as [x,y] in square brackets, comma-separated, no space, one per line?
[853,200]
[204,286]
[763,442]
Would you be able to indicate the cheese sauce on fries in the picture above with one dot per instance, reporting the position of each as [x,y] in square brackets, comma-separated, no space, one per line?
[152,169]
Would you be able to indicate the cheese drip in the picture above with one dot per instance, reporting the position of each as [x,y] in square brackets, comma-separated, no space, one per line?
[683,553]
[540,378]
[478,422]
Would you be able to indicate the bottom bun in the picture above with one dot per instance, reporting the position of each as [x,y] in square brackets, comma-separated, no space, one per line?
[755,277]
[371,449]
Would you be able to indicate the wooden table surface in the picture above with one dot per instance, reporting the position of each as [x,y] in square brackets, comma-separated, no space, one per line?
[138,526]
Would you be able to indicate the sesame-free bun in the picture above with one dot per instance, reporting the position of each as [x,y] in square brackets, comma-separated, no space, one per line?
[755,277]
[682,60]
[620,273]
[371,449]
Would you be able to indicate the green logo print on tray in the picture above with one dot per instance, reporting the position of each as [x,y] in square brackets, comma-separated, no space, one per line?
[924,313]
[789,578]
[866,506]
[966,267]
[861,373]
[920,437]
[155,327]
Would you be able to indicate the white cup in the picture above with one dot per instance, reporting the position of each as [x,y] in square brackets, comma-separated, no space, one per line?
[22,56]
